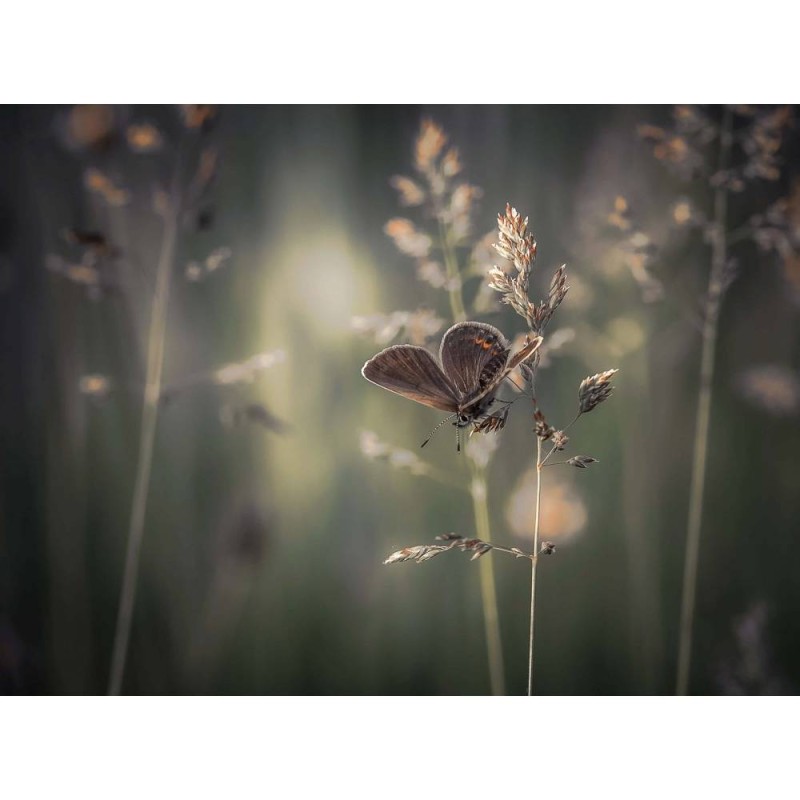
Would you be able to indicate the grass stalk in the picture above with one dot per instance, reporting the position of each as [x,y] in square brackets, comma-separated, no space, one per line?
[494,645]
[152,395]
[453,275]
[719,248]
[479,493]
[535,560]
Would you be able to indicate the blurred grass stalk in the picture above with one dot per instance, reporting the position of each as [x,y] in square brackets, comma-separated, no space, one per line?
[494,644]
[479,492]
[697,492]
[150,405]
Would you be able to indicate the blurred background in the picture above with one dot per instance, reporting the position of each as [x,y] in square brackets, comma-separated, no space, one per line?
[281,479]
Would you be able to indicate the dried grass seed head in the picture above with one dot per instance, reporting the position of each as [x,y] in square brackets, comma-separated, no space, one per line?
[541,427]
[407,238]
[419,553]
[518,246]
[594,390]
[430,143]
[416,327]
[409,191]
[581,462]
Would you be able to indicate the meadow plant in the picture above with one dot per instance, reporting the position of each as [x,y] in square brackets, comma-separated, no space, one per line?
[720,157]
[447,255]
[187,165]
[516,245]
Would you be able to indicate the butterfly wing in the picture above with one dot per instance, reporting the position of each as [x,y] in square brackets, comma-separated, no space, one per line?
[412,372]
[473,356]
[524,353]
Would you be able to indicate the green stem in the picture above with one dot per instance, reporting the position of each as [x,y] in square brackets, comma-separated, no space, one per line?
[453,275]
[710,329]
[478,490]
[152,394]
[494,644]
[535,560]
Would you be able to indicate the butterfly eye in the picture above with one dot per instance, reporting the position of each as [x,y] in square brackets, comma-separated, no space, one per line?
[490,339]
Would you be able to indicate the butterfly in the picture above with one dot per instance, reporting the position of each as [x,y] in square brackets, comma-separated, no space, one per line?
[474,359]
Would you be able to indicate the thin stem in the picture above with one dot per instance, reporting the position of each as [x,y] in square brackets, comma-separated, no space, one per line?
[152,393]
[494,645]
[535,560]
[453,275]
[553,449]
[512,551]
[478,490]
[710,328]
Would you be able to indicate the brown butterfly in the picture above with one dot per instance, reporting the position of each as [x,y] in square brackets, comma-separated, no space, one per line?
[474,359]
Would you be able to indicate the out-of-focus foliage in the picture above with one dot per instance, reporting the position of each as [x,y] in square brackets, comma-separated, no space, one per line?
[267,526]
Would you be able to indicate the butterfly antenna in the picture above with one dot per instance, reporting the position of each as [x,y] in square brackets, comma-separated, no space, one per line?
[458,439]
[521,389]
[446,419]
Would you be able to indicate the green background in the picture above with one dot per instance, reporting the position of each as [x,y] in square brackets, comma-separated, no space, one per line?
[301,197]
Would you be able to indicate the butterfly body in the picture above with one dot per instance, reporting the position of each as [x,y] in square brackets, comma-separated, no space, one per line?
[474,359]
